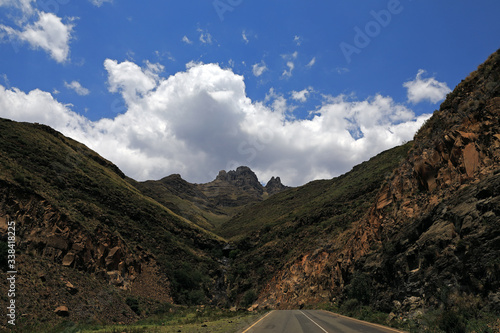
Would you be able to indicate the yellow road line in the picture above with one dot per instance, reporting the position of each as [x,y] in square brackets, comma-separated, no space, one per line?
[258,321]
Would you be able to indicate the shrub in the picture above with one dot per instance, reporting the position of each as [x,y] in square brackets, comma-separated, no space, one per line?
[350,307]
[133,304]
[451,321]
[249,297]
[359,288]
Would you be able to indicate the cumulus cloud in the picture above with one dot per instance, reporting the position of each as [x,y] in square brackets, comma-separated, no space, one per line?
[132,81]
[39,106]
[259,69]
[48,33]
[186,40]
[429,89]
[200,121]
[77,87]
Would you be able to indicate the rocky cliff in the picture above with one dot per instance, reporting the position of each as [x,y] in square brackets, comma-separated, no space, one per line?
[434,224]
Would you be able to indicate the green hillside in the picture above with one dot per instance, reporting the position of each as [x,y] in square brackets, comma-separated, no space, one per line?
[71,204]
[269,234]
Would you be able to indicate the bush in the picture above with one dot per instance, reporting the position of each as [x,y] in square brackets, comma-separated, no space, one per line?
[451,321]
[249,297]
[195,297]
[359,288]
[133,304]
[350,307]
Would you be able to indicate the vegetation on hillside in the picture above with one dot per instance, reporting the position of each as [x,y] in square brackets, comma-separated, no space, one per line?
[280,229]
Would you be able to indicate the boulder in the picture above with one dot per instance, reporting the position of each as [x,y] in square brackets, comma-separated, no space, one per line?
[471,159]
[68,259]
[62,311]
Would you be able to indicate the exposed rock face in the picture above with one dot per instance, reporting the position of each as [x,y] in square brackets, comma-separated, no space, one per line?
[243,178]
[455,246]
[274,186]
[221,198]
[47,233]
[434,224]
[238,188]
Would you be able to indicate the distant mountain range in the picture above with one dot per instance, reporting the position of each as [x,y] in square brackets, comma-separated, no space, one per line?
[412,235]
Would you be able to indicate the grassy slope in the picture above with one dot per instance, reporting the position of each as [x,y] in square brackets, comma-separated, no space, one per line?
[293,222]
[184,199]
[330,202]
[93,192]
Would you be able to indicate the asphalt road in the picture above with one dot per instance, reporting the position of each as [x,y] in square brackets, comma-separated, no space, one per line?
[308,321]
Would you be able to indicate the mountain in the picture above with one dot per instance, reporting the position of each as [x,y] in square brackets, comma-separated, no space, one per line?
[430,238]
[270,234]
[211,204]
[88,240]
[409,238]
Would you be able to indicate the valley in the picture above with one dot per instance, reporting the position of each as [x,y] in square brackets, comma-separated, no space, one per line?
[409,238]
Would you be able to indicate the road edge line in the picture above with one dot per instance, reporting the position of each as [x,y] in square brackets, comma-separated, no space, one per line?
[366,322]
[258,321]
[313,321]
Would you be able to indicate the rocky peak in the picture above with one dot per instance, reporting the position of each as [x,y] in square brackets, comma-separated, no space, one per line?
[243,178]
[274,185]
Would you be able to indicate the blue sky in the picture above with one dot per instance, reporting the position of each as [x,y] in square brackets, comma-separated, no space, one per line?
[301,90]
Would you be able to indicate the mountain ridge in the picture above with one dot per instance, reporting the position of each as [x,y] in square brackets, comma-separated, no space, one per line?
[414,232]
[456,151]
[211,204]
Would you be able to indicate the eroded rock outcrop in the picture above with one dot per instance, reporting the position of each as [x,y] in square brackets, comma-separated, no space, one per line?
[47,233]
[438,204]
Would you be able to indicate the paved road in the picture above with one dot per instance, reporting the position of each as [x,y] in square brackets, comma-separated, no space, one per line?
[308,321]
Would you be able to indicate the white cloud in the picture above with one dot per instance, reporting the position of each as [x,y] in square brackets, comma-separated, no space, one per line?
[130,80]
[23,5]
[48,33]
[342,70]
[39,106]
[259,69]
[244,36]
[301,96]
[5,79]
[297,40]
[99,3]
[205,37]
[426,89]
[200,121]
[311,63]
[288,72]
[186,40]
[77,87]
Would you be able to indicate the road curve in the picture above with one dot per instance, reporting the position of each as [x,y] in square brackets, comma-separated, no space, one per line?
[312,321]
